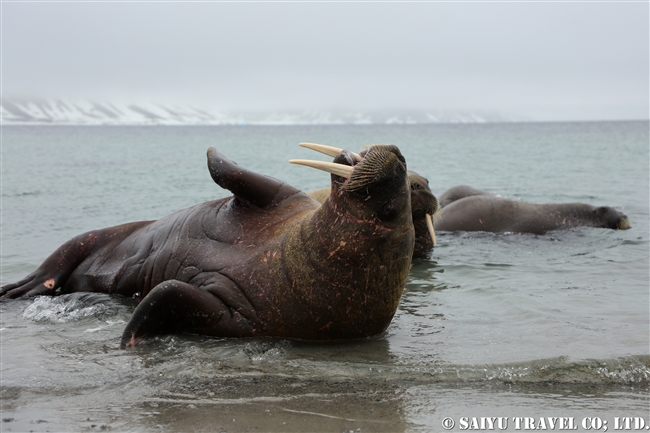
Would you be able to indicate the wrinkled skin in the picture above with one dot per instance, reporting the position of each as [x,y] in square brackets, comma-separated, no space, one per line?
[422,202]
[470,209]
[269,261]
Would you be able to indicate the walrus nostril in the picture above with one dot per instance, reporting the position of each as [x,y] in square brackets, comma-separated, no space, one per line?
[346,157]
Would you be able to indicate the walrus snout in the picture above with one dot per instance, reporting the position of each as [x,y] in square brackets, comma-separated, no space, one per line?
[623,223]
[425,208]
[423,202]
[376,162]
[385,148]
[613,219]
[380,163]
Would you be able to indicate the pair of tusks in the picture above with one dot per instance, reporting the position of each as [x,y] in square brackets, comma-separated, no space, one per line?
[330,167]
[342,170]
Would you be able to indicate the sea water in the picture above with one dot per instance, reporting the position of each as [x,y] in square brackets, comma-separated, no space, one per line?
[491,327]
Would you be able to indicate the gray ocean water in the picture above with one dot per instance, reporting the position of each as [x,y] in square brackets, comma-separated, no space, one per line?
[490,325]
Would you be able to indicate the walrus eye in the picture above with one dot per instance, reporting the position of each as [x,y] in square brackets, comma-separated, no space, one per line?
[601,210]
[390,210]
[387,211]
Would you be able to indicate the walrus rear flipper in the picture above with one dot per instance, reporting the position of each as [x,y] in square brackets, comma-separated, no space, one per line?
[55,270]
[174,307]
[252,189]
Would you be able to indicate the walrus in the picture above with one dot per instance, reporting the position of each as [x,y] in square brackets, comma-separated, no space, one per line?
[469,209]
[424,205]
[457,192]
[268,261]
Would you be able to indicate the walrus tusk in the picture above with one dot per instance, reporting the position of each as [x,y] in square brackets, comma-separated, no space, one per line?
[430,226]
[327,150]
[330,167]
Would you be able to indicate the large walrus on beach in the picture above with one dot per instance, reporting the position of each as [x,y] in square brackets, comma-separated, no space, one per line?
[268,261]
[465,208]
[424,205]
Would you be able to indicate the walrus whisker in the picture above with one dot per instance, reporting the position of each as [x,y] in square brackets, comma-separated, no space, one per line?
[430,227]
[327,150]
[330,167]
[368,171]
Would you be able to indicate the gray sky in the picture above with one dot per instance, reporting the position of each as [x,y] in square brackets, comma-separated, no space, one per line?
[544,61]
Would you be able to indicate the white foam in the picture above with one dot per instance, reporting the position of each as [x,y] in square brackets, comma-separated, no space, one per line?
[108,324]
[61,309]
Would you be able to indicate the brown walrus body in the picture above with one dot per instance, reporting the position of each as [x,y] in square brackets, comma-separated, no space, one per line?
[423,203]
[469,209]
[268,261]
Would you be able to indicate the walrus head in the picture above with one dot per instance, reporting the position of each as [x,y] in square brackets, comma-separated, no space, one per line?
[611,218]
[376,177]
[425,209]
[359,244]
[424,205]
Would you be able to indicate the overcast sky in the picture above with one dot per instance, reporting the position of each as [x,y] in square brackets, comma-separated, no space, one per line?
[543,61]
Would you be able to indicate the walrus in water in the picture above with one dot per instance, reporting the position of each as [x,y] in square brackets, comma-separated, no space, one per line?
[469,209]
[424,205]
[269,261]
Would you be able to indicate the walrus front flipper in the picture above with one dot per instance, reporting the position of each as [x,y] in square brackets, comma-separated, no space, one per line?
[252,189]
[174,306]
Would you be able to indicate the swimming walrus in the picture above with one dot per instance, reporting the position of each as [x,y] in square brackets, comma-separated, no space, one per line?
[469,209]
[424,205]
[457,192]
[268,261]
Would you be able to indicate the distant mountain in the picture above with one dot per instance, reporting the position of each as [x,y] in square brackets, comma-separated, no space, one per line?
[59,112]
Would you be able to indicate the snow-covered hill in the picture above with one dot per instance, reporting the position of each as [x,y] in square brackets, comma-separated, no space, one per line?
[15,112]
